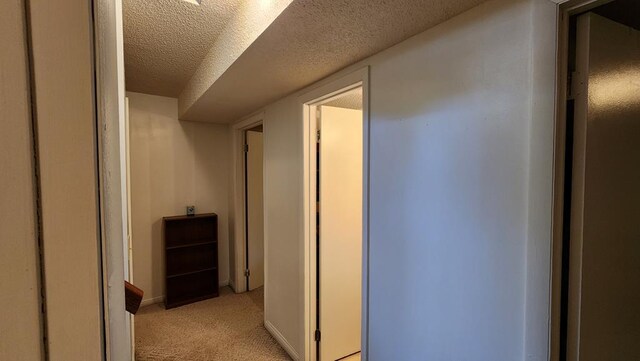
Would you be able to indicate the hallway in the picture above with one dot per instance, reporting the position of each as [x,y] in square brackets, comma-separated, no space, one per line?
[408,180]
[228,328]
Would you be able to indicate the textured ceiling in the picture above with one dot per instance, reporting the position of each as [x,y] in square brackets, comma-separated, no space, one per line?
[349,100]
[310,40]
[166,40]
[253,17]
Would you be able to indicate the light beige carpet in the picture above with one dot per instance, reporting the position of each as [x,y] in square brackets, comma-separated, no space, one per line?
[226,328]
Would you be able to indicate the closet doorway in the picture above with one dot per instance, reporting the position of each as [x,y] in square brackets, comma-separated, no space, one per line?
[254,208]
[336,219]
[597,295]
[339,236]
[248,244]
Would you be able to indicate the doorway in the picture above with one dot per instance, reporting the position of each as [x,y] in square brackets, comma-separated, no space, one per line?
[339,237]
[248,245]
[336,121]
[254,208]
[600,201]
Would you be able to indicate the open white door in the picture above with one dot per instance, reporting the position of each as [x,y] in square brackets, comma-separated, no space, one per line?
[604,321]
[340,248]
[255,212]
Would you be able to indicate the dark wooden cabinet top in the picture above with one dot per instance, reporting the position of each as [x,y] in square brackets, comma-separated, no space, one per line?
[185,217]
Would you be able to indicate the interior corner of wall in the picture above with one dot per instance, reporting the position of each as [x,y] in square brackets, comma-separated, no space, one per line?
[277,335]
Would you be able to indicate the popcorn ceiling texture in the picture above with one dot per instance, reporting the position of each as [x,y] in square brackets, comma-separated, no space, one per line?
[166,40]
[349,100]
[227,58]
[310,40]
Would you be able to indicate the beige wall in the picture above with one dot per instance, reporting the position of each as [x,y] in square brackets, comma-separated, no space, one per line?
[62,47]
[173,164]
[20,328]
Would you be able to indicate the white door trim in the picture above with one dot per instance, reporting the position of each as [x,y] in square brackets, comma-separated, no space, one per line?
[238,282]
[308,103]
[113,177]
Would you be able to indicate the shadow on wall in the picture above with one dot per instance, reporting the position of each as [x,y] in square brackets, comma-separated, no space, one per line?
[449,159]
[157,259]
[210,147]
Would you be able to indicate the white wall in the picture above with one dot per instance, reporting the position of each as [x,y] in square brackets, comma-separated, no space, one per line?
[284,222]
[460,192]
[451,132]
[173,164]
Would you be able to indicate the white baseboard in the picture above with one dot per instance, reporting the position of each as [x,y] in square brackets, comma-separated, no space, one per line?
[281,340]
[151,301]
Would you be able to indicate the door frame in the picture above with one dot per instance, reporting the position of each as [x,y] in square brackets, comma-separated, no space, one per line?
[238,282]
[565,11]
[112,172]
[308,103]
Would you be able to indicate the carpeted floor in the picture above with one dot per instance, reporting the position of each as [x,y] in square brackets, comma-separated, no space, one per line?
[226,328]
